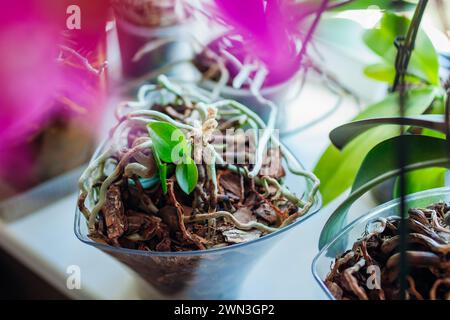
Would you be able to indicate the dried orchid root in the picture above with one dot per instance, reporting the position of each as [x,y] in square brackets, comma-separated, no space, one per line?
[438,283]
[82,60]
[427,255]
[123,199]
[228,215]
[217,68]
[113,177]
[303,205]
[147,115]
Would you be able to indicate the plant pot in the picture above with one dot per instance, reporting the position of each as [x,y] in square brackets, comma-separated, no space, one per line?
[322,263]
[384,191]
[132,38]
[207,274]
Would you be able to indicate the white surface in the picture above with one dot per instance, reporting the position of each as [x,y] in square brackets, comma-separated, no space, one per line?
[46,243]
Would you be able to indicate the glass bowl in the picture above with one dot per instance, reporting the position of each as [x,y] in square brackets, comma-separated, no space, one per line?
[281,94]
[206,274]
[132,38]
[322,263]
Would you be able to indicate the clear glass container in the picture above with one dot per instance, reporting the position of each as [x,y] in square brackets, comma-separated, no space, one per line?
[282,94]
[322,263]
[133,38]
[207,274]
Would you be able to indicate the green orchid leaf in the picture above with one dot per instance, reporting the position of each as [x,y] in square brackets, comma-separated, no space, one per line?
[380,164]
[432,133]
[342,135]
[381,4]
[420,180]
[381,71]
[162,170]
[166,138]
[418,100]
[424,62]
[438,105]
[187,175]
[343,5]
[385,72]
[170,145]
[337,169]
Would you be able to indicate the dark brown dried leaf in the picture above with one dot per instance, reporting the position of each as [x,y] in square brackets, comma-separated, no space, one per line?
[231,182]
[265,212]
[244,215]
[113,211]
[272,165]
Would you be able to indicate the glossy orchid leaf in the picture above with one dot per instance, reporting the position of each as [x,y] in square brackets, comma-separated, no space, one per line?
[380,164]
[337,168]
[420,180]
[424,62]
[342,135]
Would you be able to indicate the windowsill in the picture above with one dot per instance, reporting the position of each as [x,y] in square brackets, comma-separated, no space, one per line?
[44,241]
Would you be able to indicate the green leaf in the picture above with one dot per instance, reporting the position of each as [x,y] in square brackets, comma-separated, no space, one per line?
[337,169]
[342,135]
[162,171]
[432,133]
[382,163]
[187,175]
[417,102]
[381,4]
[385,72]
[381,71]
[166,138]
[438,105]
[342,5]
[420,180]
[424,59]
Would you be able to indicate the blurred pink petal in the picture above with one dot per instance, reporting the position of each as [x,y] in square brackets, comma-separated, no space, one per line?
[266,34]
[39,89]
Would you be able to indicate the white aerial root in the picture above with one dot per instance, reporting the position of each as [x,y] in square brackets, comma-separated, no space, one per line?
[229,216]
